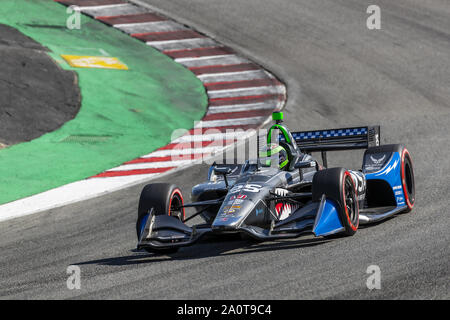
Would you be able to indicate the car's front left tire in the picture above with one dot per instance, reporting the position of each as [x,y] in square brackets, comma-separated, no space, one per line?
[165,199]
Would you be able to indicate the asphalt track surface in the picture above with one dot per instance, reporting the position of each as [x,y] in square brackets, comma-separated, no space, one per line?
[338,73]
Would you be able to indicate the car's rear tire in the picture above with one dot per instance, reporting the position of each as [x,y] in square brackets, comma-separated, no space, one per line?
[164,198]
[408,183]
[337,184]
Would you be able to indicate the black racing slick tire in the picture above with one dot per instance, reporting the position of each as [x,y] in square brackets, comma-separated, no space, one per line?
[408,183]
[337,184]
[164,198]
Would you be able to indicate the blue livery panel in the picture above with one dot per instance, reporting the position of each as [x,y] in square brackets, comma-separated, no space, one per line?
[327,220]
[391,173]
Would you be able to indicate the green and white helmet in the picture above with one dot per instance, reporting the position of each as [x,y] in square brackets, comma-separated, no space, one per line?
[272,152]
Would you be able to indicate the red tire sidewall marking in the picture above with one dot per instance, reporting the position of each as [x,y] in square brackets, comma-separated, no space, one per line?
[347,174]
[405,190]
[176,191]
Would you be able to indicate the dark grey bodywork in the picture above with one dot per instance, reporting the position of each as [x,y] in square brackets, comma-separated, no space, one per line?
[266,202]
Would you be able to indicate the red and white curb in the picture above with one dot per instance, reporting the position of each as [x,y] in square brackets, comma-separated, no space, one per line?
[241,95]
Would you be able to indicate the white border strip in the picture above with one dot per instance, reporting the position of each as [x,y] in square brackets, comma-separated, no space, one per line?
[95,187]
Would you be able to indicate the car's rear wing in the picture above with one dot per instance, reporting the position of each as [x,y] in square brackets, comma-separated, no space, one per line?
[336,139]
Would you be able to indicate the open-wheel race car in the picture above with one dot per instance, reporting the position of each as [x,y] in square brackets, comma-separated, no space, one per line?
[285,192]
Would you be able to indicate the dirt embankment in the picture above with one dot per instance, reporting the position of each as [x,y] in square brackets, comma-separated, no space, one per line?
[36,95]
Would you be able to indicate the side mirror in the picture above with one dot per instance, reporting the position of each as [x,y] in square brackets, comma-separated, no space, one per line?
[305,164]
[223,170]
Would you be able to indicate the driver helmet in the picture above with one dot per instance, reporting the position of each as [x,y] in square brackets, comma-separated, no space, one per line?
[273,151]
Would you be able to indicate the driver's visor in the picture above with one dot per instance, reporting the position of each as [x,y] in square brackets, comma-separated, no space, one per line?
[266,157]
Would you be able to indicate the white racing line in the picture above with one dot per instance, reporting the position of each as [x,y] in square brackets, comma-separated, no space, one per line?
[233,84]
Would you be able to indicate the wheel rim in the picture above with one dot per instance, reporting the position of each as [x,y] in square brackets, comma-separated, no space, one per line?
[408,177]
[350,201]
[408,180]
[175,203]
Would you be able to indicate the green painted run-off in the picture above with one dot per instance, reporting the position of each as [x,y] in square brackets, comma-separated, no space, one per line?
[123,115]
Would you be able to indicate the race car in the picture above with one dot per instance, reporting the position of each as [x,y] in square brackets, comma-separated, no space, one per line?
[285,192]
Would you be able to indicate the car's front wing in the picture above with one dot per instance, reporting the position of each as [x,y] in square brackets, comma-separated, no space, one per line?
[318,218]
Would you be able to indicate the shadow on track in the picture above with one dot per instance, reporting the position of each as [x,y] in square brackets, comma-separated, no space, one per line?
[226,246]
[206,250]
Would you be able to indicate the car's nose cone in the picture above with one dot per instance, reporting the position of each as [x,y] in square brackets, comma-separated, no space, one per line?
[233,210]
